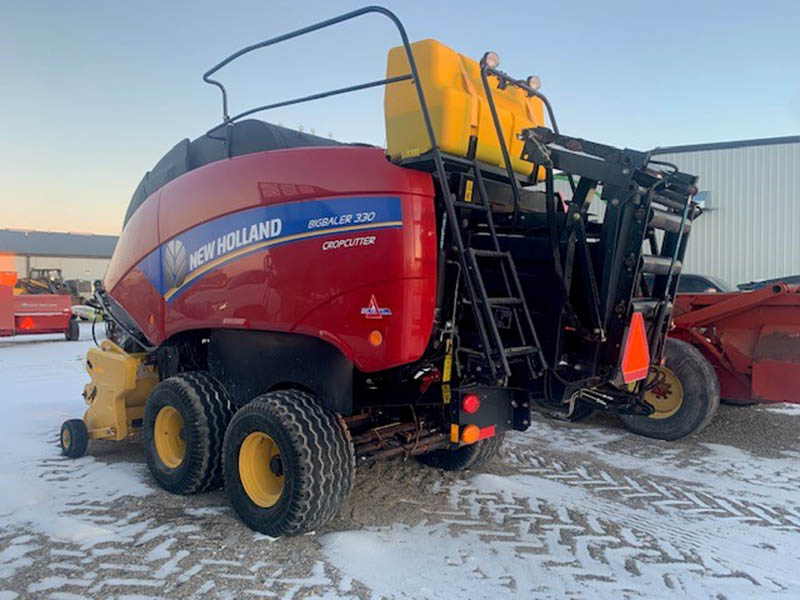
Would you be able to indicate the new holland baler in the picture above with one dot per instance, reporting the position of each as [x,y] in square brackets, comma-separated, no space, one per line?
[280,305]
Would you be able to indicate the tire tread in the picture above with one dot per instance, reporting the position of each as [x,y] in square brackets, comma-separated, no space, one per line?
[473,456]
[326,460]
[210,410]
[692,368]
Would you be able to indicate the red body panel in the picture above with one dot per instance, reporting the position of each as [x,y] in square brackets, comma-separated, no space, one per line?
[751,338]
[33,313]
[303,286]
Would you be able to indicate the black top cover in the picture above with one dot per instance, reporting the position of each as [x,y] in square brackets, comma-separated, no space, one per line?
[247,137]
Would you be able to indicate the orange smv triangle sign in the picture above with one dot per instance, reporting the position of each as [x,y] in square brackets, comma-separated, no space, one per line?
[636,356]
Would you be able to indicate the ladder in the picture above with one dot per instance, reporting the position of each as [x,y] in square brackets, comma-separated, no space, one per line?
[497,351]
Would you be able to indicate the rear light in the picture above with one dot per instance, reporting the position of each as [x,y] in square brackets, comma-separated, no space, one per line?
[375,338]
[27,323]
[471,434]
[471,403]
[636,353]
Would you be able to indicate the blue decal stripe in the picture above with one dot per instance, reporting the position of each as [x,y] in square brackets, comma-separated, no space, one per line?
[181,260]
[171,293]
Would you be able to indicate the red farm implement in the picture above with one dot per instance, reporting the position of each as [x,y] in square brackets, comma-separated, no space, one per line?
[27,314]
[752,339]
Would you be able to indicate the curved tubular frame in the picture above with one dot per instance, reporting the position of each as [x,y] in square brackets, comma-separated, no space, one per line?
[440,171]
[505,79]
[414,75]
[227,119]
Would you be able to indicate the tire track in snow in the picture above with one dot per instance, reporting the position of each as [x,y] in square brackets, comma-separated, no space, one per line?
[663,492]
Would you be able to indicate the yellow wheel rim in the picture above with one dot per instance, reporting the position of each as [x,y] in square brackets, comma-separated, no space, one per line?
[170,444]
[65,438]
[260,469]
[666,397]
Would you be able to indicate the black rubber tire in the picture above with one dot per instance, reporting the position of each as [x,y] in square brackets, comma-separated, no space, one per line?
[73,332]
[205,407]
[700,396]
[737,403]
[78,438]
[473,456]
[317,456]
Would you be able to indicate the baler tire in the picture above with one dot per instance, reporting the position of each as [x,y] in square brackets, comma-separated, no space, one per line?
[729,402]
[473,456]
[316,461]
[73,332]
[699,402]
[74,438]
[205,410]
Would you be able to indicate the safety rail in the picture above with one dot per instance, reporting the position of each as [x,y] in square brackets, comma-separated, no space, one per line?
[414,74]
[472,282]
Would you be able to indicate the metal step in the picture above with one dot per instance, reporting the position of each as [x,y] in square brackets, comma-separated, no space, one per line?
[659,265]
[507,309]
[505,301]
[502,301]
[515,351]
[669,221]
[469,205]
[488,253]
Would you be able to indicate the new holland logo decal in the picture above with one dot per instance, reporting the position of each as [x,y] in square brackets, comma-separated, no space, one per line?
[175,264]
[178,263]
[373,311]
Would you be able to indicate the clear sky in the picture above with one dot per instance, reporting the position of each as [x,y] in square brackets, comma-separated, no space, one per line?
[95,92]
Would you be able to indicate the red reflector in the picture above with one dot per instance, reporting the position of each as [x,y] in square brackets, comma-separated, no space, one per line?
[486,432]
[26,323]
[470,404]
[636,355]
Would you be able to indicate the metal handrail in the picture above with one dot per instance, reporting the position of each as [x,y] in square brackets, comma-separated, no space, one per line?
[441,173]
[504,78]
[226,118]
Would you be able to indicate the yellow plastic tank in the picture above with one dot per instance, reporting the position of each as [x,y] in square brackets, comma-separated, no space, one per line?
[457,103]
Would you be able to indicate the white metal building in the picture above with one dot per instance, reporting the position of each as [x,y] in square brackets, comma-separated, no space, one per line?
[750,229]
[78,255]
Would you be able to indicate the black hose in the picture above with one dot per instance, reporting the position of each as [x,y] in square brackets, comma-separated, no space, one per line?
[100,297]
[94,321]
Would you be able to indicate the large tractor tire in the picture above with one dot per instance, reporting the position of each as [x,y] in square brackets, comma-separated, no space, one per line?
[473,456]
[184,427]
[740,403]
[289,463]
[685,399]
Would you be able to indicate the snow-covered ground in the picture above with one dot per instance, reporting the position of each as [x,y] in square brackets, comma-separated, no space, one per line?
[569,511]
